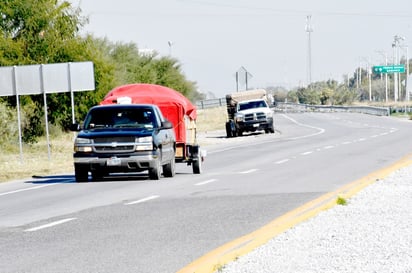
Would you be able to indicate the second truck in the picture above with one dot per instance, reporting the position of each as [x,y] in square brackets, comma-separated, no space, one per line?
[248,111]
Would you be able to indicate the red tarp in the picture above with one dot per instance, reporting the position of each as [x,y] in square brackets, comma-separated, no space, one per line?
[174,105]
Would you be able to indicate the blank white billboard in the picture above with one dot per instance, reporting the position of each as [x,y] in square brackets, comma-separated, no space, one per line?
[82,76]
[28,79]
[6,81]
[56,77]
[46,78]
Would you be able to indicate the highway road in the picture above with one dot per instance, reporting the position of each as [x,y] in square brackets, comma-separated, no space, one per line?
[133,224]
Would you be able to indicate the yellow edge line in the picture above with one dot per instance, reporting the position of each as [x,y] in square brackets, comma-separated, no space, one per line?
[228,252]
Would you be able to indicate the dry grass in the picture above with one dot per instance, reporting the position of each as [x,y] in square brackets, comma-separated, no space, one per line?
[211,119]
[35,159]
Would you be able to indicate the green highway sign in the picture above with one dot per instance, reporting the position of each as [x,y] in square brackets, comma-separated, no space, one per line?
[398,68]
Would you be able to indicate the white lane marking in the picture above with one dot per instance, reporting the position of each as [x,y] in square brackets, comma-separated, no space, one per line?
[320,130]
[27,189]
[346,142]
[52,224]
[282,161]
[307,153]
[143,200]
[361,139]
[205,182]
[249,171]
[329,147]
[374,136]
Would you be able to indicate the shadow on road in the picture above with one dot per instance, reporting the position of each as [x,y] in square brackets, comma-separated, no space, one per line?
[59,179]
[51,179]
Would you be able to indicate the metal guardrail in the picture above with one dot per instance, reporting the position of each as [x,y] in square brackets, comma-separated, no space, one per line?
[203,104]
[296,107]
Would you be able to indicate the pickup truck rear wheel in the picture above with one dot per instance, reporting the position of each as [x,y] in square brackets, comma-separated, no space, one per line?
[81,174]
[156,171]
[169,168]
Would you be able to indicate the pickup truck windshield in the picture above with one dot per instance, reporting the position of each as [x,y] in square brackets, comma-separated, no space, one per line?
[120,118]
[252,104]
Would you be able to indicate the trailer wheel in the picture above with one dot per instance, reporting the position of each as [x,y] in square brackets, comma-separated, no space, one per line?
[197,165]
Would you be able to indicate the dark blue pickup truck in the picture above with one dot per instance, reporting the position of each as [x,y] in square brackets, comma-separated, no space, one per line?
[124,138]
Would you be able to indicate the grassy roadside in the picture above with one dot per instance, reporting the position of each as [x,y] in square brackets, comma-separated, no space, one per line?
[35,159]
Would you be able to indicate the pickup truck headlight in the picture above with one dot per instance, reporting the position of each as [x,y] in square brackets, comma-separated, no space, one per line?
[83,145]
[239,117]
[144,143]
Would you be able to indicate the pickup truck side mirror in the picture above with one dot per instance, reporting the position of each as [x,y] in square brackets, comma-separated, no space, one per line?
[75,127]
[166,125]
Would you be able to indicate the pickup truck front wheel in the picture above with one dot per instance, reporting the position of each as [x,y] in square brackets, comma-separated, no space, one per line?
[81,174]
[97,175]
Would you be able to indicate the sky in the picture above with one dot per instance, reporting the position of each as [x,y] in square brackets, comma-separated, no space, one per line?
[212,39]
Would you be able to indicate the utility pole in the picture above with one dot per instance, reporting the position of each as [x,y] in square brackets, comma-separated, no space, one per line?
[407,95]
[309,30]
[395,46]
[383,53]
[407,75]
[370,79]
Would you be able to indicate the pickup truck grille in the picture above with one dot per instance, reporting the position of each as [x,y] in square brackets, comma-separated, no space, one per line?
[110,140]
[255,116]
[114,144]
[114,149]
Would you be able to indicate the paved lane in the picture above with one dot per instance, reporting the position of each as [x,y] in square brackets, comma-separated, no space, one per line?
[138,225]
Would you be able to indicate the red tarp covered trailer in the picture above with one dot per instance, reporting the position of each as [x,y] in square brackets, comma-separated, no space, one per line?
[174,105]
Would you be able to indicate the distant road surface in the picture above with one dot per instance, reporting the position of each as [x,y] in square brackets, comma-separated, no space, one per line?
[134,224]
